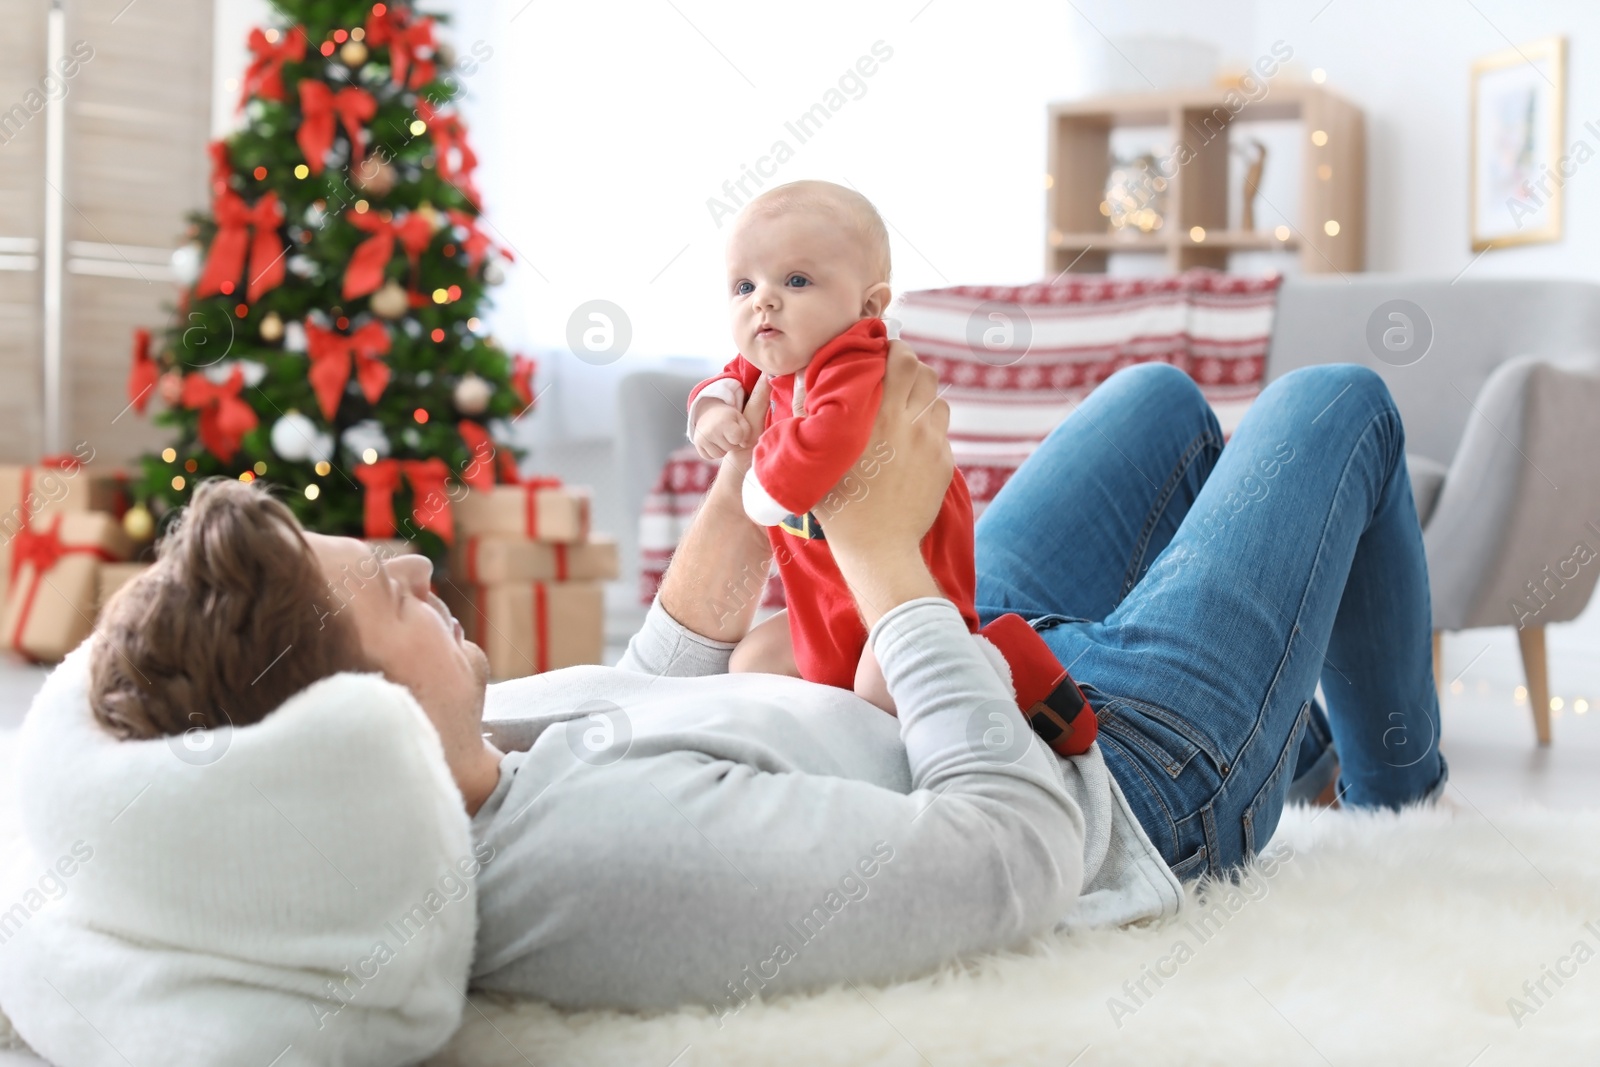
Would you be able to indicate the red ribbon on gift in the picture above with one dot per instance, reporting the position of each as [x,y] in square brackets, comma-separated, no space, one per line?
[541,628]
[430,507]
[479,471]
[333,354]
[319,106]
[43,549]
[242,230]
[405,39]
[264,76]
[562,569]
[371,258]
[144,373]
[530,498]
[224,417]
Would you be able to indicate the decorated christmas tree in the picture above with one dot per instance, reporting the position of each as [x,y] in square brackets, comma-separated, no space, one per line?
[328,339]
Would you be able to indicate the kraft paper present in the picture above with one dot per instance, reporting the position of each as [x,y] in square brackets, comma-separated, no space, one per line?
[50,607]
[56,486]
[109,577]
[515,559]
[531,627]
[542,510]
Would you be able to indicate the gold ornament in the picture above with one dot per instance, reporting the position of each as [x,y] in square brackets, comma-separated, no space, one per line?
[430,214]
[353,54]
[272,328]
[472,395]
[389,302]
[139,523]
[375,176]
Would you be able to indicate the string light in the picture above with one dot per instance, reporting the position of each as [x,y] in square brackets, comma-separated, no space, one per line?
[313,491]
[169,454]
[178,483]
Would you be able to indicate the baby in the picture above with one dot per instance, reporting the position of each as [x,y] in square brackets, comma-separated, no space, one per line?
[808,281]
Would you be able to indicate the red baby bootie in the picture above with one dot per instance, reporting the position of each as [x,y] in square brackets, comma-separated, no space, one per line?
[1049,699]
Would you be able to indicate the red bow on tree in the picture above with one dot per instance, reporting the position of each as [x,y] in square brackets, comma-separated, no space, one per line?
[224,417]
[221,166]
[479,471]
[448,133]
[475,243]
[368,262]
[404,38]
[522,371]
[264,76]
[144,373]
[430,506]
[319,106]
[234,224]
[332,355]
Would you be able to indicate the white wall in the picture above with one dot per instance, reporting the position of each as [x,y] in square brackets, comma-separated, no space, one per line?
[1407,65]
[604,129]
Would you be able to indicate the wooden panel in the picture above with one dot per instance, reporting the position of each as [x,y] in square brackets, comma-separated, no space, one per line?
[138,123]
[22,42]
[1080,160]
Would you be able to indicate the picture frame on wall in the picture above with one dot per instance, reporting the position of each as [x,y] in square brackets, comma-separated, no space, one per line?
[1518,129]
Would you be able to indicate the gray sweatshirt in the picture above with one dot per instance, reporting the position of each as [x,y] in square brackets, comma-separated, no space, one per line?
[669,833]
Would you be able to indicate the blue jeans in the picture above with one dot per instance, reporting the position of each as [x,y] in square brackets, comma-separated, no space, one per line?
[1199,593]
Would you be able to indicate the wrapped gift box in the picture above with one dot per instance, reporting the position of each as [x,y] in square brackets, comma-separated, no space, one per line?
[30,495]
[514,559]
[531,627]
[109,577]
[50,606]
[541,510]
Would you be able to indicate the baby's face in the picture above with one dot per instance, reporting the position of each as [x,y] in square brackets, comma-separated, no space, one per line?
[796,280]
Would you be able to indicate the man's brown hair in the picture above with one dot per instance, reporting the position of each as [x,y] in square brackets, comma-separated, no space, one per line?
[232,620]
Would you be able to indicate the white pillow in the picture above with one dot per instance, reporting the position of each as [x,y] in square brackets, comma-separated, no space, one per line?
[297,891]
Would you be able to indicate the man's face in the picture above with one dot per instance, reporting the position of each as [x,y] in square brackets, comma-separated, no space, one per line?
[795,281]
[409,635]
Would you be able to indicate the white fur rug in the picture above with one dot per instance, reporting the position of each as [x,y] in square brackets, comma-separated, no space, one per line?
[1436,937]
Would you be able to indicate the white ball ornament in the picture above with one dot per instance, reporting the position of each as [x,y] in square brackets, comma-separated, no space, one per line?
[472,395]
[186,264]
[493,272]
[323,448]
[363,436]
[294,437]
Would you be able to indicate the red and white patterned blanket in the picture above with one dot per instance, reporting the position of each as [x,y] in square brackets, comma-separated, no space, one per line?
[1016,360]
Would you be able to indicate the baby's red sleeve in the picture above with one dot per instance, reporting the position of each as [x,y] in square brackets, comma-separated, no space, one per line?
[798,460]
[738,369]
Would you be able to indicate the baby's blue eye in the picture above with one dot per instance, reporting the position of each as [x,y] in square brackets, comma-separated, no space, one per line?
[742,288]
[799,280]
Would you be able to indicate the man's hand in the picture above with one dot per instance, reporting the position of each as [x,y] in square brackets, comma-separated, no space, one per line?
[877,515]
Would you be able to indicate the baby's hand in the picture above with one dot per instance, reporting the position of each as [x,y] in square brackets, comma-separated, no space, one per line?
[720,429]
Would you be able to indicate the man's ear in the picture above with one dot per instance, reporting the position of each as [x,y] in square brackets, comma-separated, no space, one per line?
[876,300]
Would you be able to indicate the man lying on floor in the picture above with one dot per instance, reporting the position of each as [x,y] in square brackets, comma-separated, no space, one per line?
[662,832]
